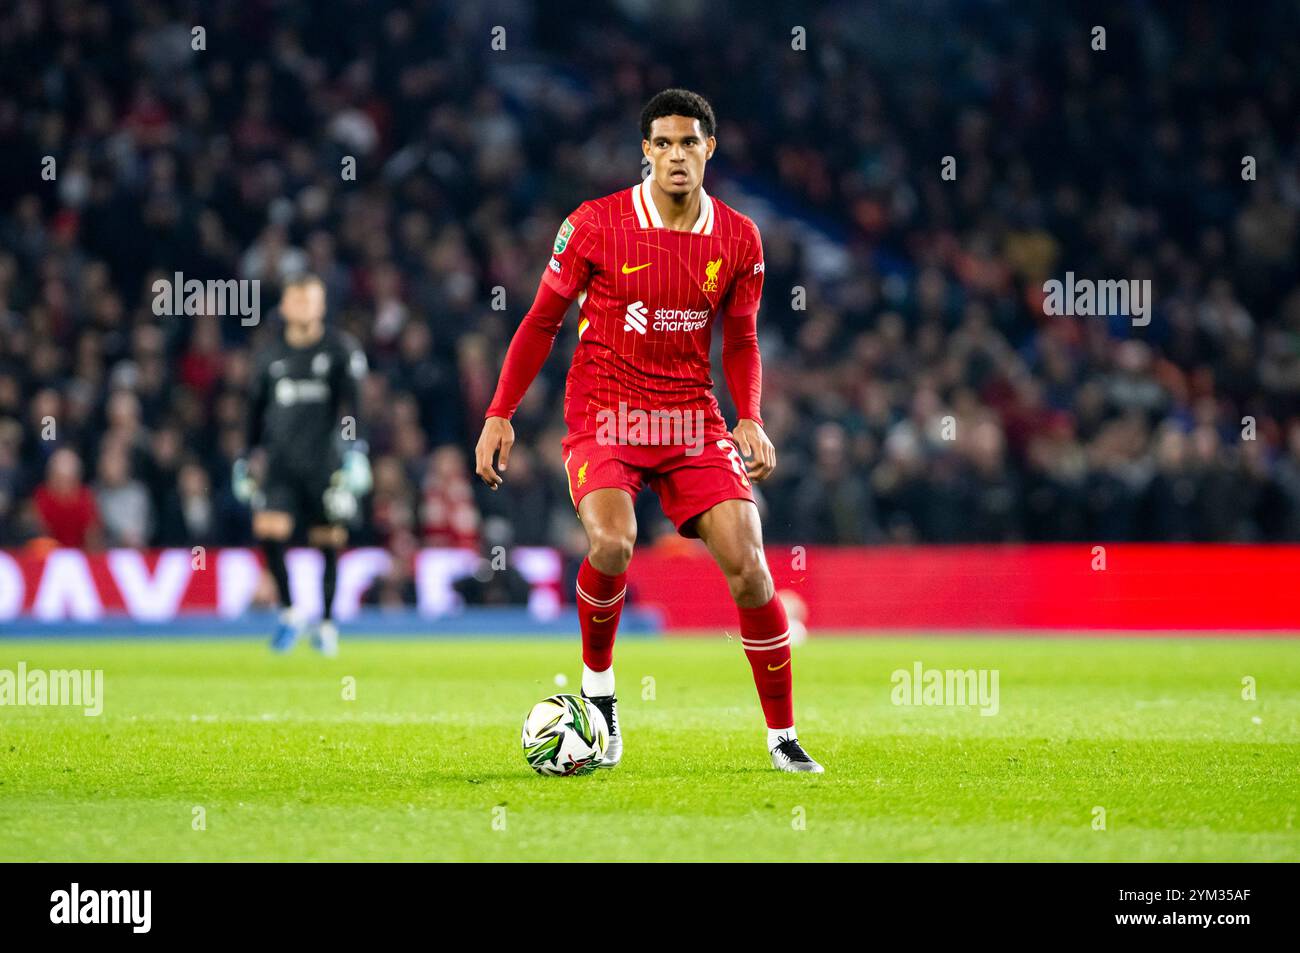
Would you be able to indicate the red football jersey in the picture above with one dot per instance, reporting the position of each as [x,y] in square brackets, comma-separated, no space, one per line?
[648,297]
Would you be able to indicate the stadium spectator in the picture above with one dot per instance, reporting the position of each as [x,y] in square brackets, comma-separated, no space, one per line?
[122,501]
[187,514]
[65,507]
[835,505]
[448,513]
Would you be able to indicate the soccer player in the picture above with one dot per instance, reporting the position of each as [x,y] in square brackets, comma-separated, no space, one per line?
[651,267]
[315,464]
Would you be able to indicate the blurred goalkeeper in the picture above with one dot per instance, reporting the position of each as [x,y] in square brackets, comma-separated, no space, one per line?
[307,465]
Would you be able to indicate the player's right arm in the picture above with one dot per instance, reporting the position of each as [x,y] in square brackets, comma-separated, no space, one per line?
[565,276]
[528,351]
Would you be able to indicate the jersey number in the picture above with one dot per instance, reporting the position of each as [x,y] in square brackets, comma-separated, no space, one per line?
[734,456]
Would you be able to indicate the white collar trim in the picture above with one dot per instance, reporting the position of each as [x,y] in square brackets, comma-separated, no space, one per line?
[647,215]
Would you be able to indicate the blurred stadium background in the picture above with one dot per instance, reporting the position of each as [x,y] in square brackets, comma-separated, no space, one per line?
[893,299]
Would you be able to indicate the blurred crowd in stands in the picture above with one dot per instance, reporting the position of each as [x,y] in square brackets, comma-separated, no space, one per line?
[913,385]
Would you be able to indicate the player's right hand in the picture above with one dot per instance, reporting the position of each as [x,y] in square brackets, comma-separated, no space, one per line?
[498,435]
[242,483]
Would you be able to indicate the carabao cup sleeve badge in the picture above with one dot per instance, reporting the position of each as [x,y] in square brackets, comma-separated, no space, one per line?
[562,236]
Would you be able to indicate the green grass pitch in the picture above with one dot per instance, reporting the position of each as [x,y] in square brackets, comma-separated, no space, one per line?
[425,763]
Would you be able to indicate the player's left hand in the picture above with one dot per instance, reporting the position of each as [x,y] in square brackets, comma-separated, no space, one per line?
[356,473]
[759,454]
[340,503]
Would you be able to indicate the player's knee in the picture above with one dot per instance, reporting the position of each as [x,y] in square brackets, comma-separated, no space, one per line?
[750,581]
[611,549]
[277,527]
[335,536]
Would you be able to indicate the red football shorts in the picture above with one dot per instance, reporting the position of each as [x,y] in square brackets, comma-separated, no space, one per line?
[688,479]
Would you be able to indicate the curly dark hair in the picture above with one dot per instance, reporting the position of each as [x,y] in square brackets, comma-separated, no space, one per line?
[678,102]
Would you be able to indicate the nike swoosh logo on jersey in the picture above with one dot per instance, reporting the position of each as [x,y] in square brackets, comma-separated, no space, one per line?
[777,668]
[628,271]
[606,619]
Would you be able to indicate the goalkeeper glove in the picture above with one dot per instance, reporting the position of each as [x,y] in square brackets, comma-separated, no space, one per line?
[347,485]
[241,482]
[340,503]
[356,473]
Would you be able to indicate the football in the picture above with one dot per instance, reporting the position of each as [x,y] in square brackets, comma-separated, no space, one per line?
[565,735]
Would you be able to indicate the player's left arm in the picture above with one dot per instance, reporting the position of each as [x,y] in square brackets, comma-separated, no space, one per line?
[742,363]
[349,372]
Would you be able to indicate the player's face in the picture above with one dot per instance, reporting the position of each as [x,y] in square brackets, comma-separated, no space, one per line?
[678,150]
[303,306]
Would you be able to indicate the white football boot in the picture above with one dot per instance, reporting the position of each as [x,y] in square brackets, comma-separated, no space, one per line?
[788,755]
[325,637]
[608,705]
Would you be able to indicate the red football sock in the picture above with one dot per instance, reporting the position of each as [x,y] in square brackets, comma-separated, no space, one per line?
[765,634]
[600,603]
